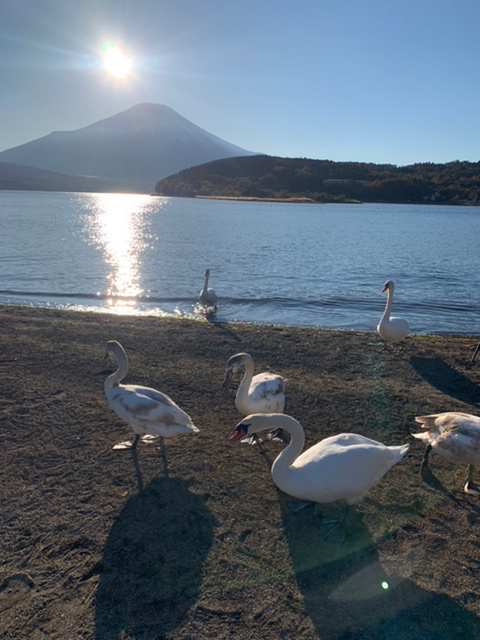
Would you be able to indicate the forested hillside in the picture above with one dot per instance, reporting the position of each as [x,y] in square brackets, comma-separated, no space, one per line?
[327,181]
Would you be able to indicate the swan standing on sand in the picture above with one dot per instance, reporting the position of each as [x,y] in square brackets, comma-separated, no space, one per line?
[146,410]
[207,296]
[391,329]
[342,467]
[456,436]
[263,393]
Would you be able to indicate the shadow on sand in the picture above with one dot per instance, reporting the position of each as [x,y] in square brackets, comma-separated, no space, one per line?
[446,379]
[348,595]
[224,327]
[152,562]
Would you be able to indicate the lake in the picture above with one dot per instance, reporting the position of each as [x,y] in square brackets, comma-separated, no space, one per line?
[300,264]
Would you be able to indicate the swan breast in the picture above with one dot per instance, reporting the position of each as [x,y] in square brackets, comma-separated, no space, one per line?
[393,329]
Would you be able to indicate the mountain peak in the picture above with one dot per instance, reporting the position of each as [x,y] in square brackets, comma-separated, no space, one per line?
[136,147]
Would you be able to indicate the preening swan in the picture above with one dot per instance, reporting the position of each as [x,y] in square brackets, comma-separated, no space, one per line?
[207,295]
[146,410]
[342,467]
[391,329]
[263,393]
[455,436]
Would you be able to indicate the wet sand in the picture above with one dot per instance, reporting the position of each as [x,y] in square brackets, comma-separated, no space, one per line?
[192,540]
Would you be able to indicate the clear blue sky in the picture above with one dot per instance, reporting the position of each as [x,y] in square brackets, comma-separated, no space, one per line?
[366,80]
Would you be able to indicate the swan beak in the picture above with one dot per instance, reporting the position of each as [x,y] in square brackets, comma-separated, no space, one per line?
[105,358]
[384,288]
[226,379]
[238,435]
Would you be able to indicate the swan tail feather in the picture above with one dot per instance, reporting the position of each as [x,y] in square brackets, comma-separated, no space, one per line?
[427,422]
[399,451]
[424,435]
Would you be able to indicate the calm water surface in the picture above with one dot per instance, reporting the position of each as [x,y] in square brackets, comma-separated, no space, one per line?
[320,265]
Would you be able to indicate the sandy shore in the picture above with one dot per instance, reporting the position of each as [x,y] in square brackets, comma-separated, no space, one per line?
[194,541]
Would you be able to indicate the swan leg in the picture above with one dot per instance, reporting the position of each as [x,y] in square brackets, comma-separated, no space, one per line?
[475,353]
[470,486]
[253,439]
[278,435]
[135,441]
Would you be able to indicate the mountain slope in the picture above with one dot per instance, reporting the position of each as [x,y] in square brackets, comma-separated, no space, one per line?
[137,147]
[21,177]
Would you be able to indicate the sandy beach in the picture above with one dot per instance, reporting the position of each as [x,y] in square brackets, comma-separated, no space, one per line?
[192,540]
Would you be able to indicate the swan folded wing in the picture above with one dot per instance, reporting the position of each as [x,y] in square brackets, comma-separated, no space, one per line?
[151,406]
[265,386]
[449,421]
[339,472]
[455,435]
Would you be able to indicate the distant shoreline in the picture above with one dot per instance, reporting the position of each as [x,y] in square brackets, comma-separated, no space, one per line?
[255,199]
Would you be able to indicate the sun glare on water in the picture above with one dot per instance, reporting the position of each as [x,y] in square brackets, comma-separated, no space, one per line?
[114,61]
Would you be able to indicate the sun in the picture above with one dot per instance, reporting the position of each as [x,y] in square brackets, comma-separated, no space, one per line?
[114,61]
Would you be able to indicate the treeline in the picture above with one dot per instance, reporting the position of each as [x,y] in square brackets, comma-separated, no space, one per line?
[327,181]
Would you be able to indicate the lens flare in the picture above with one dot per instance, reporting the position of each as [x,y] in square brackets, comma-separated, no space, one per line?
[114,61]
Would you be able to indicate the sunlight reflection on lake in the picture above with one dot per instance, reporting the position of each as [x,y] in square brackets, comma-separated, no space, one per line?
[118,225]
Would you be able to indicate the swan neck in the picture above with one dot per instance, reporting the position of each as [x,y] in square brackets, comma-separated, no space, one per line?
[288,456]
[115,378]
[244,386]
[207,276]
[388,305]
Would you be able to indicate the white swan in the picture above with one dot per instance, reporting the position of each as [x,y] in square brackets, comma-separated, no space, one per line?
[454,435]
[146,410]
[207,295]
[263,393]
[391,329]
[342,467]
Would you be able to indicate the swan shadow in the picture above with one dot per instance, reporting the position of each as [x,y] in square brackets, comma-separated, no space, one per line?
[223,326]
[348,595]
[151,569]
[447,379]
[428,477]
[138,472]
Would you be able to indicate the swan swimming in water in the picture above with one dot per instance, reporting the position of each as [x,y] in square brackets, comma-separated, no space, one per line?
[207,295]
[342,467]
[455,436]
[263,393]
[391,329]
[146,410]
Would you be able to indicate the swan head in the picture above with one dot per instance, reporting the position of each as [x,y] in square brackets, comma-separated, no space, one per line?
[388,286]
[234,363]
[116,348]
[207,272]
[254,423]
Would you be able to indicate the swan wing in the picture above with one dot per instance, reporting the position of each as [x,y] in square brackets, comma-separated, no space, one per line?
[268,390]
[449,420]
[455,435]
[144,405]
[343,467]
